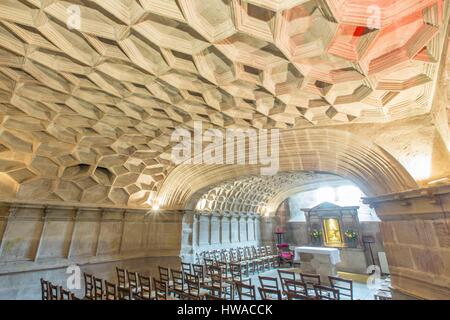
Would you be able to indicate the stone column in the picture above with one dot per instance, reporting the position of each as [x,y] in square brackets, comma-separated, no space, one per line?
[416,234]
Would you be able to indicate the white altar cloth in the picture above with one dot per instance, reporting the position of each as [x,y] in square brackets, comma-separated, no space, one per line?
[333,253]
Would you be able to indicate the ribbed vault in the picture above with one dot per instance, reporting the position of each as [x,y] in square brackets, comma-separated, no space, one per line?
[259,194]
[367,165]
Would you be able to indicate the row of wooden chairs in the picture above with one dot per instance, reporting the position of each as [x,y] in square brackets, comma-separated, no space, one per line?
[309,285]
[253,259]
[50,291]
[98,289]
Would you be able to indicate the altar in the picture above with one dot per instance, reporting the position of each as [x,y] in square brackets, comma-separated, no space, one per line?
[336,229]
[318,260]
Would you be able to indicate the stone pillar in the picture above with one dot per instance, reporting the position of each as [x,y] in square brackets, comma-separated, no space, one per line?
[187,238]
[416,234]
[225,236]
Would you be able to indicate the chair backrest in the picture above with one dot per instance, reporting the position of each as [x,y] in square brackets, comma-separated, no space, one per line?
[110,291]
[215,285]
[52,291]
[295,286]
[133,281]
[98,289]
[214,270]
[198,270]
[160,289]
[269,294]
[121,278]
[64,294]
[263,251]
[163,274]
[146,286]
[44,289]
[269,283]
[178,281]
[311,279]
[245,291]
[124,293]
[344,286]
[223,268]
[236,272]
[186,267]
[88,286]
[208,263]
[223,255]
[193,285]
[326,293]
[285,275]
[241,254]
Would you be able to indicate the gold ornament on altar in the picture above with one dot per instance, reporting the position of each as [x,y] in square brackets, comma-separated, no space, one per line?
[332,232]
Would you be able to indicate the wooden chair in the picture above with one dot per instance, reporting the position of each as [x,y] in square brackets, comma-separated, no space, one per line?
[125,293]
[251,265]
[224,269]
[344,286]
[194,291]
[296,287]
[145,292]
[121,278]
[285,275]
[208,264]
[65,294]
[326,293]
[186,267]
[52,291]
[257,260]
[133,282]
[110,291]
[44,289]
[215,286]
[270,294]
[161,290]
[269,283]
[198,270]
[245,291]
[177,286]
[272,259]
[310,280]
[217,280]
[164,274]
[237,276]
[98,289]
[89,287]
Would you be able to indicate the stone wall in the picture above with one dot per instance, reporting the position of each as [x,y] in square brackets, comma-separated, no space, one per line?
[36,239]
[416,232]
[204,232]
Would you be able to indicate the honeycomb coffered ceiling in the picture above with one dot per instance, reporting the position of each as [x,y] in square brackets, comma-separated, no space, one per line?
[86,113]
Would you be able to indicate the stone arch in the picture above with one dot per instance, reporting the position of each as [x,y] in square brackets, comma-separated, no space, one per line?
[366,164]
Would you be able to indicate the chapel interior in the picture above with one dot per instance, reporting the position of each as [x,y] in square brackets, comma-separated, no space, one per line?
[92,205]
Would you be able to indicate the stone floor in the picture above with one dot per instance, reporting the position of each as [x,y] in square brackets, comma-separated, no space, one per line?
[361,290]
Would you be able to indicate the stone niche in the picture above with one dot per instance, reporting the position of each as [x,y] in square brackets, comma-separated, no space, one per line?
[331,222]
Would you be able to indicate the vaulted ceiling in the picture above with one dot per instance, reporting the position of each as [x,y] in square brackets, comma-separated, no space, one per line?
[87,105]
